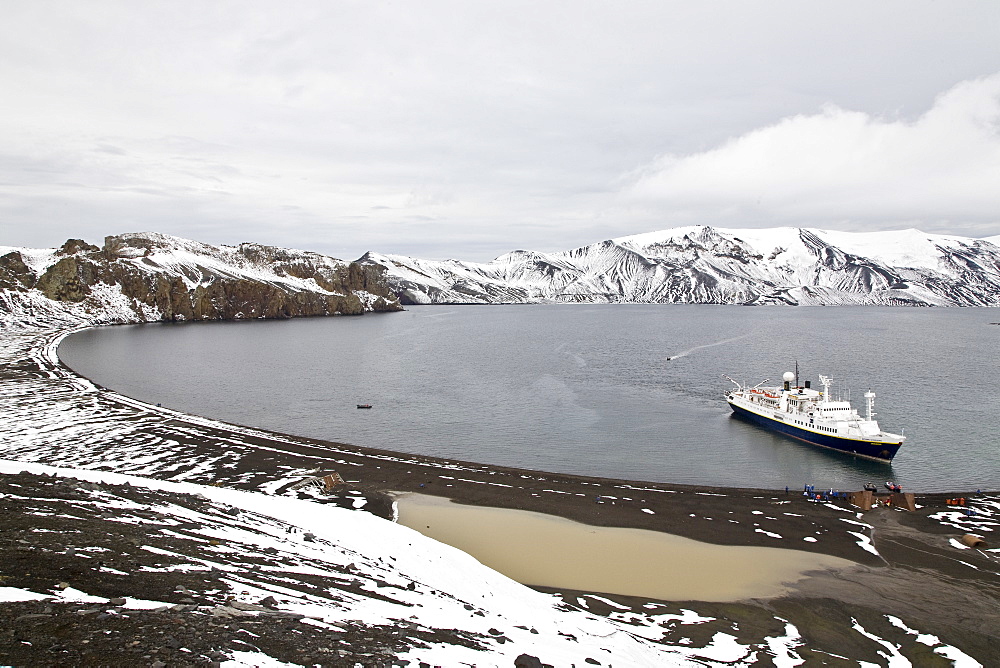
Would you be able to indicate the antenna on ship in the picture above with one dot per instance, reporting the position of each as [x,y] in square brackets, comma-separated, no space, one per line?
[826,387]
[796,373]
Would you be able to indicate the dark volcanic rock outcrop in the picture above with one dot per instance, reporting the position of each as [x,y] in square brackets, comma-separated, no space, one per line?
[148,277]
[14,273]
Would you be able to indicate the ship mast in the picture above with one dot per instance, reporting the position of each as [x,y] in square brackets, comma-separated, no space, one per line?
[870,400]
[826,387]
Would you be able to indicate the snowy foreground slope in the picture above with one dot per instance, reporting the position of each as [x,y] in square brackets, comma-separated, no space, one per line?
[330,579]
[704,265]
[398,577]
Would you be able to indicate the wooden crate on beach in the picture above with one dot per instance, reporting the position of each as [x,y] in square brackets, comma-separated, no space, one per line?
[903,500]
[864,499]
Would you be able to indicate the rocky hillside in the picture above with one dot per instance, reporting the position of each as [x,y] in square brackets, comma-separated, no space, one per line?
[703,265]
[153,277]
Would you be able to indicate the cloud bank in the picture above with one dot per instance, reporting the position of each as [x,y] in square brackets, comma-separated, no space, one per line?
[846,169]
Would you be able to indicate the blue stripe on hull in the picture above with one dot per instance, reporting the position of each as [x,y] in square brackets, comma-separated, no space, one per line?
[880,451]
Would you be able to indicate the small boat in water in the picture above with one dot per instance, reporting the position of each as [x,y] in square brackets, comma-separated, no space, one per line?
[364,405]
[814,417]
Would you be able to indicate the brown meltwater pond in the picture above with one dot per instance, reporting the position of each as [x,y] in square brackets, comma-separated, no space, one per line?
[543,550]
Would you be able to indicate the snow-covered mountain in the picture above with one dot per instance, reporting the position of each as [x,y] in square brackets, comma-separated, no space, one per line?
[720,266]
[146,277]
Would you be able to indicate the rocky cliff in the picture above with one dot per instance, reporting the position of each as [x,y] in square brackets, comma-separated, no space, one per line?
[704,265]
[154,277]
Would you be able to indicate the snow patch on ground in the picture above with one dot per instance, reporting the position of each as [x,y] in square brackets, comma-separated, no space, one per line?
[14,594]
[957,656]
[768,533]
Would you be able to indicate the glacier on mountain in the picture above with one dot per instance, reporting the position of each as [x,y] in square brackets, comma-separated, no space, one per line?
[705,265]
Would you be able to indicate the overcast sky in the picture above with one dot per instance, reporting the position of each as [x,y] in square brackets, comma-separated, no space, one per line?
[469,129]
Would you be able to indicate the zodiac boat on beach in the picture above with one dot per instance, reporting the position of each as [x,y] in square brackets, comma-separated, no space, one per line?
[811,416]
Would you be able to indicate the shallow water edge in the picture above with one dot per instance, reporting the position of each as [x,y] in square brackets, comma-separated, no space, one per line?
[549,551]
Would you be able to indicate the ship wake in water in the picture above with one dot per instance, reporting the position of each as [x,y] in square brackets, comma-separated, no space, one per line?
[707,345]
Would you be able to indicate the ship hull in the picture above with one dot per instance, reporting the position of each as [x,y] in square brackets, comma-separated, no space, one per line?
[882,452]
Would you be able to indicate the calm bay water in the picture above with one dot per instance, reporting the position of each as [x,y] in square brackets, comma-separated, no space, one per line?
[626,391]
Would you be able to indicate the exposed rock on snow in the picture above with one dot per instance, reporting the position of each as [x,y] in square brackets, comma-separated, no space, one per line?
[148,277]
[720,266]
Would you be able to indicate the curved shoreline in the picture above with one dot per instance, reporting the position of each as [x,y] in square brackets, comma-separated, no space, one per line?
[608,502]
[255,458]
[908,562]
[56,360]
[51,351]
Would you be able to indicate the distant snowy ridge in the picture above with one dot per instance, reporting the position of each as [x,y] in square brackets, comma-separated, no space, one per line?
[705,265]
[149,277]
